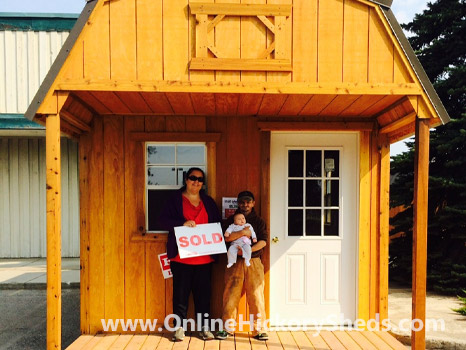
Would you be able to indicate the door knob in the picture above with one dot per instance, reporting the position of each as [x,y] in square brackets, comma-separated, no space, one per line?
[275,240]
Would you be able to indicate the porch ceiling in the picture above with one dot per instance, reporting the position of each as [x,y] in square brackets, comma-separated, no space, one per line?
[234,104]
[395,113]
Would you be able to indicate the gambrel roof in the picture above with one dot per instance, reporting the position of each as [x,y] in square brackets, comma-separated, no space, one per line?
[128,82]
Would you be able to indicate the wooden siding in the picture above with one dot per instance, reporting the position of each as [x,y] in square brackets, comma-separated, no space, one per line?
[119,263]
[349,43]
[25,59]
[22,193]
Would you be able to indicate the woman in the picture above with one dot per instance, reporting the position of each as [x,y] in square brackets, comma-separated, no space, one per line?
[190,206]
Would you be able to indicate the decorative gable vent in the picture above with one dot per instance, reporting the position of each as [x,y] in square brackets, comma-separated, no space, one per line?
[273,17]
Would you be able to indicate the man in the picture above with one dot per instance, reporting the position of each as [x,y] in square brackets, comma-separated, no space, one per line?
[251,277]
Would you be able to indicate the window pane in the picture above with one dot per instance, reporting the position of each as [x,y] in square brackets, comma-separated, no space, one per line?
[332,163]
[331,193]
[295,163]
[161,176]
[190,155]
[295,193]
[295,222]
[313,163]
[160,154]
[331,218]
[182,171]
[313,222]
[313,193]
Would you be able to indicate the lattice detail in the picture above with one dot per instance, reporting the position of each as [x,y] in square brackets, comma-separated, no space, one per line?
[202,61]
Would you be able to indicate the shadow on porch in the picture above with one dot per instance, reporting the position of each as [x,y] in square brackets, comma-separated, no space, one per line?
[339,340]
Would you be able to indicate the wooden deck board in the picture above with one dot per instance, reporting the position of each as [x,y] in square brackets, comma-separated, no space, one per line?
[295,340]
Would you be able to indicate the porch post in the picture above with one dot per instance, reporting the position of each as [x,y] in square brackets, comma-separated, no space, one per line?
[421,184]
[53,206]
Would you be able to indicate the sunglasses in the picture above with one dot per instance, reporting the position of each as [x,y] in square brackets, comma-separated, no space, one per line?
[195,178]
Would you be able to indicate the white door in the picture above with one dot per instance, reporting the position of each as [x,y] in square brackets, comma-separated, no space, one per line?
[313,228]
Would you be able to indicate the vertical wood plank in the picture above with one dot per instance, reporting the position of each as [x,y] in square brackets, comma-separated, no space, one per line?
[85,143]
[421,187]
[175,40]
[53,231]
[123,40]
[384,209]
[374,247]
[282,37]
[96,228]
[134,214]
[34,206]
[400,74]
[265,137]
[198,41]
[5,238]
[380,51]
[156,292]
[355,41]
[330,41]
[253,42]
[149,40]
[228,38]
[23,194]
[364,226]
[305,40]
[114,217]
[97,43]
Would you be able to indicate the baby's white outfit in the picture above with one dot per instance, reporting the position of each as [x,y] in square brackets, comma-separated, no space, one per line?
[243,242]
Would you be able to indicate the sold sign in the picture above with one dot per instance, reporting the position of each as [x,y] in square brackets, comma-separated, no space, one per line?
[206,239]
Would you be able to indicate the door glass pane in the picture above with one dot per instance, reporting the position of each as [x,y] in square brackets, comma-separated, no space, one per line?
[190,155]
[313,222]
[295,222]
[295,163]
[332,163]
[331,193]
[295,193]
[161,176]
[331,218]
[313,163]
[313,193]
[160,154]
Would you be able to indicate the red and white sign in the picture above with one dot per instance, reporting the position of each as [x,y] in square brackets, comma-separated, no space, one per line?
[206,239]
[165,265]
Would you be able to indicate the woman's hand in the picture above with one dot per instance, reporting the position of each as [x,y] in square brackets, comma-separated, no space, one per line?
[190,223]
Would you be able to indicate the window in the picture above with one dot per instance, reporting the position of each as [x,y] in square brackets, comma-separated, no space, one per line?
[166,167]
[313,187]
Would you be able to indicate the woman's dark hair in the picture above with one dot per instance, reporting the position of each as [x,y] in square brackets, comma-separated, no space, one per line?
[189,172]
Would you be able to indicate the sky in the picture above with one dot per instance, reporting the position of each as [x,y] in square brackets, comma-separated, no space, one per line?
[404,11]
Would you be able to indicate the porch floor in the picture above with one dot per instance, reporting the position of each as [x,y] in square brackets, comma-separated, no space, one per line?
[298,340]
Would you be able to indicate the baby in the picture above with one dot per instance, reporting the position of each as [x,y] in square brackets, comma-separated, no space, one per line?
[243,242]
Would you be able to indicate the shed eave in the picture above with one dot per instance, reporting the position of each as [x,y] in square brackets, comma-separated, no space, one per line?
[60,60]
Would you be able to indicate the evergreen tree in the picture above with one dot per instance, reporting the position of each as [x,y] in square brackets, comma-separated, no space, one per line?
[439,40]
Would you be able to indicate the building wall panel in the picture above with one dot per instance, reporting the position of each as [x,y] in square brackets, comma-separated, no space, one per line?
[22,205]
[25,59]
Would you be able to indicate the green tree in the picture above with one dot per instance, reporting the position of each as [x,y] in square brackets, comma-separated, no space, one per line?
[439,40]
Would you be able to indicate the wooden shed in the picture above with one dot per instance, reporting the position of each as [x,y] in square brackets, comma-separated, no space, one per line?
[297,101]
